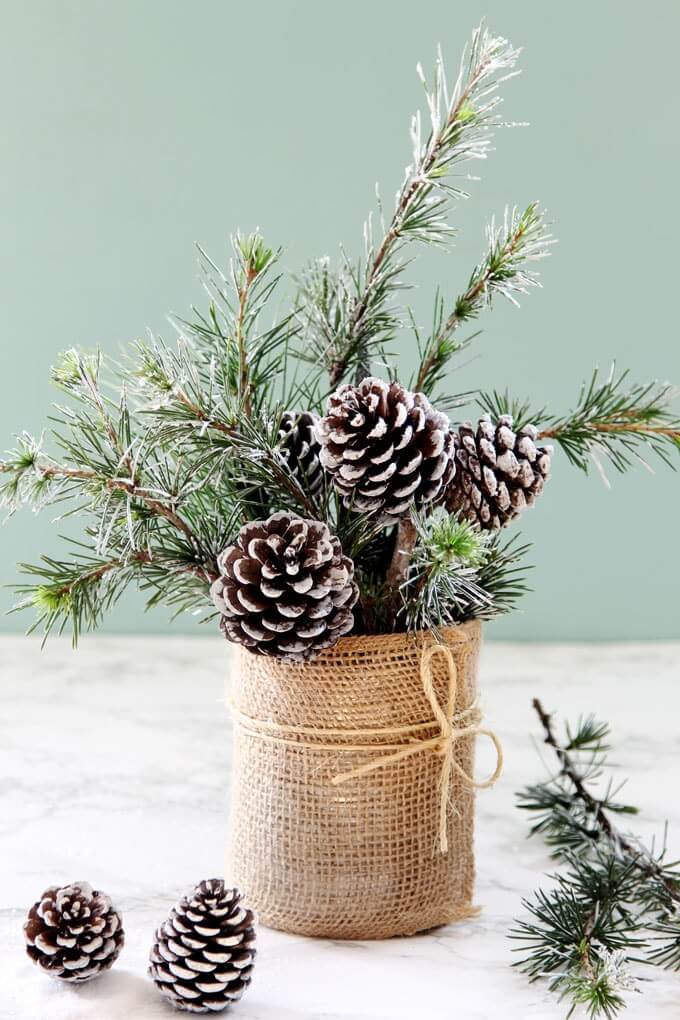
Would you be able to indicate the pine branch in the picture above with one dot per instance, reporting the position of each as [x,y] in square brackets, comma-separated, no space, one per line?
[583,935]
[613,418]
[455,573]
[231,353]
[503,575]
[79,591]
[589,737]
[611,878]
[59,472]
[619,420]
[175,392]
[505,270]
[350,313]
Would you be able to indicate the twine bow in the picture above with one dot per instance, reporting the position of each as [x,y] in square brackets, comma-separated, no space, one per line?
[451,729]
[444,744]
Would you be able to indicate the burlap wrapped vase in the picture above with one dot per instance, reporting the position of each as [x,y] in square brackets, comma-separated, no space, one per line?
[353,794]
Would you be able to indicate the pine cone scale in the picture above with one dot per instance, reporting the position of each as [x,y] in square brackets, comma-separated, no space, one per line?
[206,973]
[285,589]
[385,448]
[499,473]
[73,932]
[299,449]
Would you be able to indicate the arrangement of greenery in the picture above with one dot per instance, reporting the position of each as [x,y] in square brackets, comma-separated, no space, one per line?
[615,903]
[393,515]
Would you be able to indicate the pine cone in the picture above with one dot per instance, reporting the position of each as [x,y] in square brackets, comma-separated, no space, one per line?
[202,957]
[498,472]
[285,589]
[386,449]
[299,449]
[73,932]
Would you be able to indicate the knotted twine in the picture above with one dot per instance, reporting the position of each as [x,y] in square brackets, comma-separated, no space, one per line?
[443,744]
[343,771]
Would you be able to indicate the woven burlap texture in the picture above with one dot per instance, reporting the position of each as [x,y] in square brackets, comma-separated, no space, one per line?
[360,860]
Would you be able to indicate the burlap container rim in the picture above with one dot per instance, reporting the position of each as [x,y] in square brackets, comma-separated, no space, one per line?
[361,859]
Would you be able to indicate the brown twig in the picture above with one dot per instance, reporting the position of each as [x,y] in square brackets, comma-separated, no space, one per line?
[404,544]
[649,867]
[97,572]
[200,414]
[115,485]
[136,557]
[244,374]
[656,430]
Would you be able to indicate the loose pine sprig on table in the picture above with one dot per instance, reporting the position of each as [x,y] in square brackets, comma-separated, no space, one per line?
[181,460]
[616,904]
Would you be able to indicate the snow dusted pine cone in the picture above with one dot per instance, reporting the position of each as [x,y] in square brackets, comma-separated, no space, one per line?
[498,472]
[385,448]
[285,589]
[73,932]
[202,957]
[299,448]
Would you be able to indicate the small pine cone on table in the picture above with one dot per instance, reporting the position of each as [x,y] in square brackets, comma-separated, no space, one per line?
[299,449]
[202,956]
[73,932]
[499,472]
[386,449]
[285,588]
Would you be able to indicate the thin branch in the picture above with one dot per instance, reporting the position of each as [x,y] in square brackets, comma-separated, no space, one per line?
[634,428]
[141,557]
[595,808]
[58,471]
[241,340]
[460,130]
[520,240]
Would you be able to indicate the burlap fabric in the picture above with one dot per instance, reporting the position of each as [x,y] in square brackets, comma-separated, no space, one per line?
[362,859]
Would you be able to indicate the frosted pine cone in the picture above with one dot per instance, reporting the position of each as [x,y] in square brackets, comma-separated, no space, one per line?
[73,932]
[285,589]
[202,957]
[386,449]
[299,448]
[498,472]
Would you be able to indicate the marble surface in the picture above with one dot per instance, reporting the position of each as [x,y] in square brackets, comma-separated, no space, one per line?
[114,763]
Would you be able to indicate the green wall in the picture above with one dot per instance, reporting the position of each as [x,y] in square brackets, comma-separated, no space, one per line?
[132,129]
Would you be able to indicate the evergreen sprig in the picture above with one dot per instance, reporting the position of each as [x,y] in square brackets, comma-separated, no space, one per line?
[169,454]
[613,418]
[458,573]
[150,517]
[621,420]
[616,904]
[349,313]
[506,269]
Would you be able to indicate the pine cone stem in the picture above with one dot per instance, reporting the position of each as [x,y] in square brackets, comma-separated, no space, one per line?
[401,557]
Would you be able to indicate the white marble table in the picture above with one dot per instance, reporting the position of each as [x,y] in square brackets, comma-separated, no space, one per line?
[113,768]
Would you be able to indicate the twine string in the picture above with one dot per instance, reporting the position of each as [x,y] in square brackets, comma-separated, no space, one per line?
[443,744]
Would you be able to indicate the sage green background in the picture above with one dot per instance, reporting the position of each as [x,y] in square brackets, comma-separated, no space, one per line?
[132,129]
